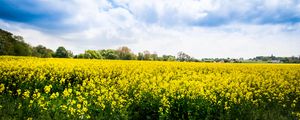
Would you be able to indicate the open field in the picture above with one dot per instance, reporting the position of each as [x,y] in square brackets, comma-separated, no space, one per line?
[41,88]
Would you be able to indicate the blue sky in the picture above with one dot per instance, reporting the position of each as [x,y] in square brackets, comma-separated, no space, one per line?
[201,28]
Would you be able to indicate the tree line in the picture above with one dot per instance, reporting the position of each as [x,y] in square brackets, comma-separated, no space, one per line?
[125,53]
[15,45]
[272,58]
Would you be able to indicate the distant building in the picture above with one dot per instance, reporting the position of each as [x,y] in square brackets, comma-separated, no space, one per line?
[275,61]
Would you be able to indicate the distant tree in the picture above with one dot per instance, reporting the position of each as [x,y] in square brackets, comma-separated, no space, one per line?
[92,54]
[133,56]
[79,56]
[140,56]
[125,53]
[70,54]
[22,49]
[154,56]
[168,58]
[13,45]
[6,43]
[147,55]
[183,57]
[109,54]
[61,52]
[42,51]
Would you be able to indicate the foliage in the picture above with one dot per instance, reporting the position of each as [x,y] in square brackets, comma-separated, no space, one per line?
[42,51]
[61,52]
[125,53]
[13,45]
[92,54]
[272,58]
[168,58]
[183,57]
[140,56]
[109,54]
[100,89]
[147,55]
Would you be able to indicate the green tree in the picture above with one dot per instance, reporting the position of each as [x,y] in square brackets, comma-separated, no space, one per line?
[42,51]
[79,56]
[92,54]
[183,57]
[154,56]
[140,56]
[70,54]
[147,55]
[13,45]
[6,43]
[168,58]
[109,54]
[125,53]
[61,52]
[22,49]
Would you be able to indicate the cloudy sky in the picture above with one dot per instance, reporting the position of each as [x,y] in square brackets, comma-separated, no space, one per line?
[200,28]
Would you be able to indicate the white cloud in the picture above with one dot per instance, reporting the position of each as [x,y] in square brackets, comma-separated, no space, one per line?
[167,27]
[167,12]
[227,41]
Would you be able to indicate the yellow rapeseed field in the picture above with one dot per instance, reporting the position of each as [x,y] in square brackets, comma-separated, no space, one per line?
[40,88]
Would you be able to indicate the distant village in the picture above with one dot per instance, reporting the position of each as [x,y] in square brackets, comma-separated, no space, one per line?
[258,59]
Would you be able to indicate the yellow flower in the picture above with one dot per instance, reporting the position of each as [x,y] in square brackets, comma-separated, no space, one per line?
[78,106]
[26,94]
[73,102]
[122,83]
[72,110]
[47,89]
[64,107]
[70,90]
[84,109]
[36,95]
[85,103]
[62,81]
[88,116]
[19,91]
[66,93]
[2,88]
[31,101]
[53,96]
[19,106]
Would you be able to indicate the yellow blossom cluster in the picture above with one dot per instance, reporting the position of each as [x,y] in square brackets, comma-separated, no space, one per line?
[147,89]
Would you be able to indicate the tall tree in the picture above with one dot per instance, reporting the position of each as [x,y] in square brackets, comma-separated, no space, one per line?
[168,58]
[61,52]
[140,56]
[92,54]
[6,43]
[125,53]
[13,45]
[183,56]
[109,54]
[42,51]
[147,55]
[154,56]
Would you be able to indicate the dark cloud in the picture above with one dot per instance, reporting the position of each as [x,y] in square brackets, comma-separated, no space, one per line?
[257,13]
[33,12]
[50,15]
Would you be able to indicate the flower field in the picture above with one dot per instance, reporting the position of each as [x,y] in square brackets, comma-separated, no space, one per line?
[40,88]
